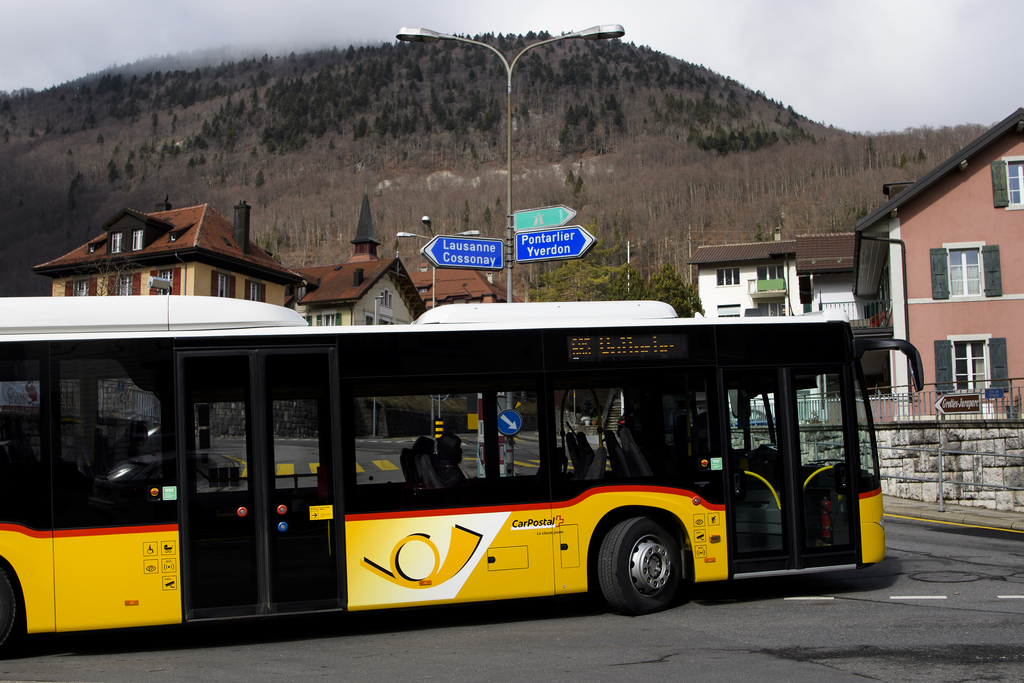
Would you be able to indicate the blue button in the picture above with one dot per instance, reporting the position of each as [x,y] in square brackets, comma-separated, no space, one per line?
[283,526]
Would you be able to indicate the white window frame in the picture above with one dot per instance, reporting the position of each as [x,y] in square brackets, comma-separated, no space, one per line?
[961,277]
[1015,163]
[115,243]
[137,241]
[723,274]
[773,271]
[730,311]
[772,309]
[223,285]
[124,284]
[81,288]
[254,290]
[165,275]
[971,378]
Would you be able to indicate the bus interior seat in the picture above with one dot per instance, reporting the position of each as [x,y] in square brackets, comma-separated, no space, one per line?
[586,454]
[408,462]
[620,468]
[572,449]
[421,451]
[596,469]
[638,466]
[561,460]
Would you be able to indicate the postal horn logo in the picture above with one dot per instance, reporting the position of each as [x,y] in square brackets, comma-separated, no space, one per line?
[461,547]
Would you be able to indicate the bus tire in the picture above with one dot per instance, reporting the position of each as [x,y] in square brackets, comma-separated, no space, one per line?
[8,607]
[639,567]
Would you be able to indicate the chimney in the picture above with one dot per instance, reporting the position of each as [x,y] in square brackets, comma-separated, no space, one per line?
[357,278]
[242,226]
[778,234]
[164,205]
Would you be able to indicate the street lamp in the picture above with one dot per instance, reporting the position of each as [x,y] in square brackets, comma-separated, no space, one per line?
[433,270]
[425,35]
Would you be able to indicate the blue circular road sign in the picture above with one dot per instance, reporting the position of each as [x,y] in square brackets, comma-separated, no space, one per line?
[509,422]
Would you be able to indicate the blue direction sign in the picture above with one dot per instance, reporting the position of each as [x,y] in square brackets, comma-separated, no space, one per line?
[569,242]
[547,217]
[472,253]
[509,422]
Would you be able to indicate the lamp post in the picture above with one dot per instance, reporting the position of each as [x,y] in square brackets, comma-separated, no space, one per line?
[425,35]
[433,270]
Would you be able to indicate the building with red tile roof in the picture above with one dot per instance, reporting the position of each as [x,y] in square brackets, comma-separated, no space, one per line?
[192,251]
[365,290]
[456,286]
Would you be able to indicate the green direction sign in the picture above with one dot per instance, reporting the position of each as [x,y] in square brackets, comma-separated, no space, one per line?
[547,217]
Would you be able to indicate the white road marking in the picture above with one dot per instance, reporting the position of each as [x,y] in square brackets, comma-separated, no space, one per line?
[811,597]
[917,597]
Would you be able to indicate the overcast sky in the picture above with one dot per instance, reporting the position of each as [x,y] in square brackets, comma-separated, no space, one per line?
[860,65]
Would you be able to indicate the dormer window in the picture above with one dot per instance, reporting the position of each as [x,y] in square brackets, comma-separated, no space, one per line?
[137,239]
[92,248]
[115,243]
[174,236]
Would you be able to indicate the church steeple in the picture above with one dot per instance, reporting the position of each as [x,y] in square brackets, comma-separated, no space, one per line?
[364,242]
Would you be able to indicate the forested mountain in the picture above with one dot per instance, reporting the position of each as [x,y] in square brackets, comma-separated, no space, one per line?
[649,149]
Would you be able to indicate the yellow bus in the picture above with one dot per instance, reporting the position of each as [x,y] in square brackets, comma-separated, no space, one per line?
[172,459]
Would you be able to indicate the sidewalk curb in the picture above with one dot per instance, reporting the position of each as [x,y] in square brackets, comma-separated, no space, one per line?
[977,517]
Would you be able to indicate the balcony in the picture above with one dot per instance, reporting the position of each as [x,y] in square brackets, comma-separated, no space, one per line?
[865,316]
[766,288]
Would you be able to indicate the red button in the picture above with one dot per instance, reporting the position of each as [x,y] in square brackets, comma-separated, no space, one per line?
[282,509]
[242,512]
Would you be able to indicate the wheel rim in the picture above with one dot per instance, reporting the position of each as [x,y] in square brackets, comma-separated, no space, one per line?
[650,565]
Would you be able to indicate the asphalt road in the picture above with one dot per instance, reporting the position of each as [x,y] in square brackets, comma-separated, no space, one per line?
[947,604]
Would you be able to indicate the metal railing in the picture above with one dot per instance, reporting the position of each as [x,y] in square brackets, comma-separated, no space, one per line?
[977,470]
[903,406]
[863,314]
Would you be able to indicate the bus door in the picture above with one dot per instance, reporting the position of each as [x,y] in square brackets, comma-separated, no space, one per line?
[791,489]
[258,495]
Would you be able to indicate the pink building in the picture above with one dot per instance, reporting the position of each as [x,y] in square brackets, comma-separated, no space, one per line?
[936,248]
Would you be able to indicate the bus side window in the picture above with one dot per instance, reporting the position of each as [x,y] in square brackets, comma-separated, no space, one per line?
[116,436]
[24,473]
[627,430]
[431,449]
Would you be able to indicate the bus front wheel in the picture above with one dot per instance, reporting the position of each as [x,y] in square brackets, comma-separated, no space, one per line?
[639,566]
[8,607]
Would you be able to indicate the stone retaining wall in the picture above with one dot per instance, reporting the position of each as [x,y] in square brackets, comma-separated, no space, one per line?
[992,438]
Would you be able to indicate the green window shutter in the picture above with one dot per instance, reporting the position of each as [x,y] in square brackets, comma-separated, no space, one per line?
[943,365]
[309,320]
[1000,195]
[993,278]
[337,318]
[997,362]
[319,320]
[940,274]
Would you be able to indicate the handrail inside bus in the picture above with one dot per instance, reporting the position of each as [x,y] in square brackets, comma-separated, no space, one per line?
[770,487]
[816,473]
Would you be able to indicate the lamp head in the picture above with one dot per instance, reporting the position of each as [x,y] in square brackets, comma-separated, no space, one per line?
[419,35]
[603,32]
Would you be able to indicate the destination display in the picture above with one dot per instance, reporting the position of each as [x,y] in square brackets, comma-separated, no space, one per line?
[628,347]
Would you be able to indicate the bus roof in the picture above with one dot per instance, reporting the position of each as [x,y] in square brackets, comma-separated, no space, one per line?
[106,314]
[191,316]
[543,313]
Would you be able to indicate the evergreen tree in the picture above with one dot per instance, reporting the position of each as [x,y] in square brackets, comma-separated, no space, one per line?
[669,286]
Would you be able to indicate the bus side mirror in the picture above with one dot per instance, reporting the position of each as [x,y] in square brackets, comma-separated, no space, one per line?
[739,488]
[841,477]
